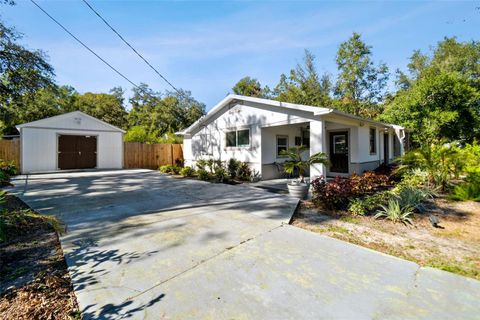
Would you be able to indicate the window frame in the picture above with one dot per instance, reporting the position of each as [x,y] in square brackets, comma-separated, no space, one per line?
[236,131]
[374,140]
[277,145]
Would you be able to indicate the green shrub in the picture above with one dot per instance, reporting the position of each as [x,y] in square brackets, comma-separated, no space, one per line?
[201,164]
[244,172]
[232,167]
[368,204]
[395,212]
[220,175]
[169,169]
[7,169]
[470,189]
[412,197]
[203,174]
[187,172]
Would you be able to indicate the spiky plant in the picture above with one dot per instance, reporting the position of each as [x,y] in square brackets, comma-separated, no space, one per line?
[296,163]
[395,212]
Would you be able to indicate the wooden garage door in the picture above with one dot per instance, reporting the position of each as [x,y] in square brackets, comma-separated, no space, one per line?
[77,152]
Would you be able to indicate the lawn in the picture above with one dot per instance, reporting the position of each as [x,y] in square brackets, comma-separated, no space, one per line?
[454,247]
[34,280]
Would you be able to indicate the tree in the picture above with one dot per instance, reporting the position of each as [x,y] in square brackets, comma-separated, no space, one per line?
[439,97]
[22,73]
[360,85]
[160,114]
[104,106]
[250,87]
[304,85]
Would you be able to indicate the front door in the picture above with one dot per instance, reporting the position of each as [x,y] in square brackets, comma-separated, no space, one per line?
[339,152]
[77,152]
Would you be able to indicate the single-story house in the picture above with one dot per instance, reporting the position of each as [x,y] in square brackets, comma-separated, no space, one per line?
[256,130]
[68,141]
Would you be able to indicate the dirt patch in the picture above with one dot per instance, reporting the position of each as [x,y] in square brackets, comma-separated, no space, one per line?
[35,283]
[454,247]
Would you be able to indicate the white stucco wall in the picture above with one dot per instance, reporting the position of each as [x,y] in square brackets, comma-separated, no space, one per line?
[39,143]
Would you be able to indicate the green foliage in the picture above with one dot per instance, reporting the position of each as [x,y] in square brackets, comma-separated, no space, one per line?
[187,172]
[366,205]
[201,164]
[295,163]
[12,221]
[7,169]
[244,173]
[250,87]
[170,169]
[360,85]
[470,189]
[203,174]
[395,212]
[140,134]
[232,167]
[412,197]
[220,174]
[304,85]
[439,97]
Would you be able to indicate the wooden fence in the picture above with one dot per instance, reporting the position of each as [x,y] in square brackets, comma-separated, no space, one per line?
[151,156]
[10,151]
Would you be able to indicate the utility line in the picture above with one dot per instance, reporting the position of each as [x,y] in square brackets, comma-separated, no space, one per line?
[131,47]
[86,47]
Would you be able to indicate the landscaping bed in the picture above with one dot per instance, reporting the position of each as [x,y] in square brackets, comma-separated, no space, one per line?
[34,280]
[454,246]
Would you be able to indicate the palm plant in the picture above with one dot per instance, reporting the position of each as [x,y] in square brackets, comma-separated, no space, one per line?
[295,163]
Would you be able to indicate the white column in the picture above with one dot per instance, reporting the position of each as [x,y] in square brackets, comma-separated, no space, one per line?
[317,144]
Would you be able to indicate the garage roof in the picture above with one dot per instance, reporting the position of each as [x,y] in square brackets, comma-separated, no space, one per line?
[75,120]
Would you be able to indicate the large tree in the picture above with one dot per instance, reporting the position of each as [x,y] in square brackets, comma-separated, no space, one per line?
[360,84]
[251,87]
[22,73]
[439,95]
[304,85]
[107,107]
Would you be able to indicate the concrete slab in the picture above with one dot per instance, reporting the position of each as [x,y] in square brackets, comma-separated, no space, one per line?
[143,245]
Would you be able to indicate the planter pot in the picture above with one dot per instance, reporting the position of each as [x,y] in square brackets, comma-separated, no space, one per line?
[298,190]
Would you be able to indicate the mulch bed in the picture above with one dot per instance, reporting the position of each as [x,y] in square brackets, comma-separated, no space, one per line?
[34,280]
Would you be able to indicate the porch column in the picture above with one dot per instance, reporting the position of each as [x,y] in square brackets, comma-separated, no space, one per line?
[317,144]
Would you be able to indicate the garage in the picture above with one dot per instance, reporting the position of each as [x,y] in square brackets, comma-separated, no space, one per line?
[70,141]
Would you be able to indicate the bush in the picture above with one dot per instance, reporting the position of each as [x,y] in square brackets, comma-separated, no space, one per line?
[220,174]
[395,212]
[412,197]
[203,174]
[232,167]
[187,172]
[366,205]
[169,169]
[7,169]
[201,164]
[244,172]
[470,189]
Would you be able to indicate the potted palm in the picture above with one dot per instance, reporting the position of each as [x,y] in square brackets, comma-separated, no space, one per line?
[295,164]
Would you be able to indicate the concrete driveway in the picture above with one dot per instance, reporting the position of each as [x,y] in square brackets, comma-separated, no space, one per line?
[148,246]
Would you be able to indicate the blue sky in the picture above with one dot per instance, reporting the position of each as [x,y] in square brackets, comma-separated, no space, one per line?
[206,46]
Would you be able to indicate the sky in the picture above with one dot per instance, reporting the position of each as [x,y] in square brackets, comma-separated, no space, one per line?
[207,46]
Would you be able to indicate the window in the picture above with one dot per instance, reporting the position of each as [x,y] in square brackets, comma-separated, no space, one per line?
[306,138]
[238,138]
[282,144]
[340,144]
[373,140]
[298,141]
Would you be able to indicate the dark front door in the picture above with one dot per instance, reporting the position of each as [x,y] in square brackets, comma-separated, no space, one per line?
[77,152]
[339,152]
[385,148]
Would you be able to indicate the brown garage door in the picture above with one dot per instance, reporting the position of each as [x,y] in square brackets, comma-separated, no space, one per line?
[77,152]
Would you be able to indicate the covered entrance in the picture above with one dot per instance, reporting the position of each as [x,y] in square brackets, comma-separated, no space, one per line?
[77,152]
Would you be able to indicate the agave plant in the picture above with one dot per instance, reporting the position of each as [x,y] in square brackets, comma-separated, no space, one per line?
[395,212]
[296,164]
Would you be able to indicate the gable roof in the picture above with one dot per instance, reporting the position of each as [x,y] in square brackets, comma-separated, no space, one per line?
[42,122]
[232,98]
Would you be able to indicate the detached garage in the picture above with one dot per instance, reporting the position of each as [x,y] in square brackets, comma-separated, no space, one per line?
[70,141]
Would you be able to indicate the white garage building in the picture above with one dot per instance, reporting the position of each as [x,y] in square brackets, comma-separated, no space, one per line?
[69,141]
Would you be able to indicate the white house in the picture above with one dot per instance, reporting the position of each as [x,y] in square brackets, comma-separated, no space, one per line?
[72,140]
[255,130]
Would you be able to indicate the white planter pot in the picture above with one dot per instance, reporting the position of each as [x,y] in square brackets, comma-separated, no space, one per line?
[298,190]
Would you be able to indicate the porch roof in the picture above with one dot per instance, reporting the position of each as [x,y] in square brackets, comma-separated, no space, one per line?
[235,99]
